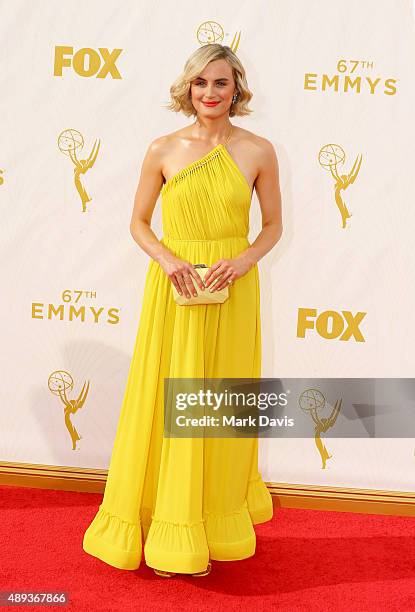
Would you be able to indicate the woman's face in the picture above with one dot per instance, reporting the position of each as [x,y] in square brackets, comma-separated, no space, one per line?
[214,84]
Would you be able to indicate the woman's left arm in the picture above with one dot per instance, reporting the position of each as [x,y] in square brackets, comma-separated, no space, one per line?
[267,187]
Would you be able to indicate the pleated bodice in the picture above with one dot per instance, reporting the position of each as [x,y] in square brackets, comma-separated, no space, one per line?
[209,199]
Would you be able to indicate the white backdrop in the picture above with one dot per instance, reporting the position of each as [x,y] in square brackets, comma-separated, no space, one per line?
[322,73]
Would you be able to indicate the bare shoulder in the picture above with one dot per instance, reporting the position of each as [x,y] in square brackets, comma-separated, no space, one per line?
[164,147]
[158,146]
[256,156]
[164,143]
[256,145]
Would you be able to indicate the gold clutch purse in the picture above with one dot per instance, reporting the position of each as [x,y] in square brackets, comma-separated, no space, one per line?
[202,297]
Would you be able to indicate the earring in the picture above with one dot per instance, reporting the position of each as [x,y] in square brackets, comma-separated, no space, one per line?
[234,98]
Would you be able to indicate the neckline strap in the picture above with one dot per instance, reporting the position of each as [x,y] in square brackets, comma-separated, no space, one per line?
[193,165]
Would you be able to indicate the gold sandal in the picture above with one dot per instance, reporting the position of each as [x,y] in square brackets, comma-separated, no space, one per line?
[163,573]
[166,574]
[205,572]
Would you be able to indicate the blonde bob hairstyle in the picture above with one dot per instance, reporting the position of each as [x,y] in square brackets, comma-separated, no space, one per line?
[196,63]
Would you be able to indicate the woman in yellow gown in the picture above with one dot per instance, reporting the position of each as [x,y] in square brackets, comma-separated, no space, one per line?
[189,500]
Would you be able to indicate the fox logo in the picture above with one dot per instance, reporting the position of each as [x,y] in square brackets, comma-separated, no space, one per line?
[330,324]
[87,62]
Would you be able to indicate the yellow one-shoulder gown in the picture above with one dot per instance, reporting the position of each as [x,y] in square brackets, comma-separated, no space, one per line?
[185,500]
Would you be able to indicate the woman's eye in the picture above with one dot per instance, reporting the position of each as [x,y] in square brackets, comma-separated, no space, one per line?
[200,83]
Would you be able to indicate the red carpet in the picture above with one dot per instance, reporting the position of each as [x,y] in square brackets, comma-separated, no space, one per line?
[305,560]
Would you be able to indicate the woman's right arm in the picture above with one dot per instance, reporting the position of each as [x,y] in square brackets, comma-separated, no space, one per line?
[148,190]
[151,181]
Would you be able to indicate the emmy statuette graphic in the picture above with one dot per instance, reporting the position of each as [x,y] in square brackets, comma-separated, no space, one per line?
[313,402]
[329,157]
[68,142]
[210,32]
[60,383]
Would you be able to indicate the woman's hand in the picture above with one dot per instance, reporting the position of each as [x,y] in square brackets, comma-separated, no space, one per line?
[227,269]
[181,273]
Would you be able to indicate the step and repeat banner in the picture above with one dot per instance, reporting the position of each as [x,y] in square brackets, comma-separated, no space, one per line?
[84,90]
